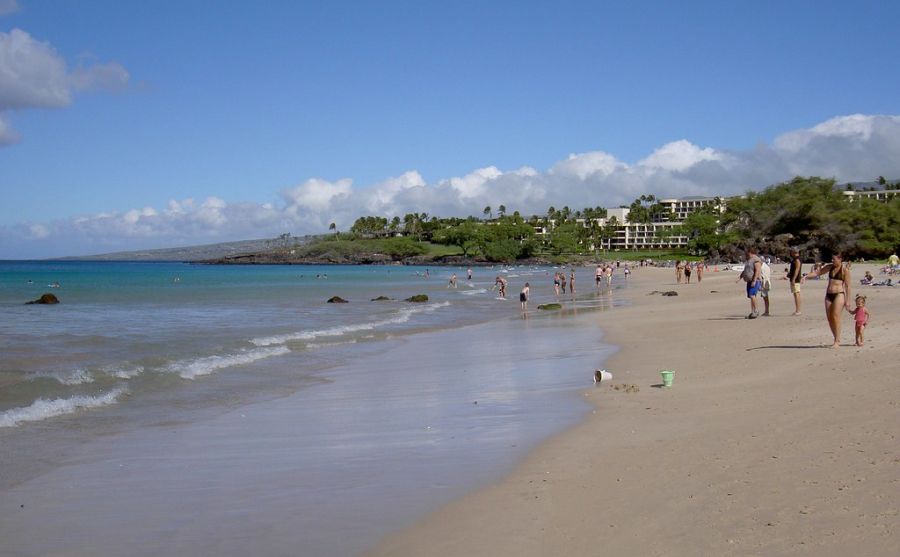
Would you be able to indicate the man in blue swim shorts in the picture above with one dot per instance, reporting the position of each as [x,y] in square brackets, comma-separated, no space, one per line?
[751,275]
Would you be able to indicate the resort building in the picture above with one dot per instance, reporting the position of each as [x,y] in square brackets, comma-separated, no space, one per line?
[878,195]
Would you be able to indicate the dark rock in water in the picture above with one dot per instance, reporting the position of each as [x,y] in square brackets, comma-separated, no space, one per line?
[381,299]
[336,300]
[417,298]
[550,306]
[45,299]
[669,293]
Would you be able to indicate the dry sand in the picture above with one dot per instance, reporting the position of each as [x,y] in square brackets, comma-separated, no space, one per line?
[769,443]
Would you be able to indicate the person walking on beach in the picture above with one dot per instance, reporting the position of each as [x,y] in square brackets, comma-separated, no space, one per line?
[679,269]
[700,265]
[562,282]
[572,281]
[765,275]
[751,275]
[862,318]
[687,272]
[469,274]
[598,275]
[452,282]
[793,277]
[523,296]
[556,282]
[837,293]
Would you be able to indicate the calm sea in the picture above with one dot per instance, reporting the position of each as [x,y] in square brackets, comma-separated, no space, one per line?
[124,329]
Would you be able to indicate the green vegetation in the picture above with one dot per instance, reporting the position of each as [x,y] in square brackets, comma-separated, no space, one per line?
[810,213]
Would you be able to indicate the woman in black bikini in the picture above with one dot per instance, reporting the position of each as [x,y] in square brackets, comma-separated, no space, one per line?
[837,293]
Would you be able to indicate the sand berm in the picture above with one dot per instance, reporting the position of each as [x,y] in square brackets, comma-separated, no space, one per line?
[768,443]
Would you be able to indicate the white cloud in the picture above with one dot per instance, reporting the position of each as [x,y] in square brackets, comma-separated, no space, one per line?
[111,78]
[678,156]
[8,7]
[34,75]
[856,147]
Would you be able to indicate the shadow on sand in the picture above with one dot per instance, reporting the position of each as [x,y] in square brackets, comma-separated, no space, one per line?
[789,346]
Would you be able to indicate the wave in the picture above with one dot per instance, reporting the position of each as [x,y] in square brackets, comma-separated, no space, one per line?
[192,369]
[42,409]
[76,377]
[125,373]
[402,317]
[473,292]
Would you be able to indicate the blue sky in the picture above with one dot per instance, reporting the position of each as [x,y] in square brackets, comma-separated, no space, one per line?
[174,123]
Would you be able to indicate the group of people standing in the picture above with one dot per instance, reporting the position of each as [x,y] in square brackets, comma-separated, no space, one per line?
[757,275]
[559,282]
[684,270]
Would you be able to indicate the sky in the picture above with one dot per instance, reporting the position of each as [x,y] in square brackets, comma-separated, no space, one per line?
[128,124]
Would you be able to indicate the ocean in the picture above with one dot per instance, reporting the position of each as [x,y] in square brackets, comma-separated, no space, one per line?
[417,402]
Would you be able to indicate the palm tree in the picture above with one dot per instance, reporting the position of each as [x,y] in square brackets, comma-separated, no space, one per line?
[501,210]
[333,226]
[487,212]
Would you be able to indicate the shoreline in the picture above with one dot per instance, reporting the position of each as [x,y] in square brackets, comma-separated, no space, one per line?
[304,469]
[768,443]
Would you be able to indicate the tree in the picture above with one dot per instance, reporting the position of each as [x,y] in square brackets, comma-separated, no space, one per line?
[333,226]
[487,212]
[467,236]
[501,210]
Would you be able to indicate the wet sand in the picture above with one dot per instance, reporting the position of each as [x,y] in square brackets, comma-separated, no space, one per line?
[769,442]
[389,435]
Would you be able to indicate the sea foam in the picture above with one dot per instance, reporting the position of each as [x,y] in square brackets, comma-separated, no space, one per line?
[42,409]
[75,377]
[191,369]
[402,316]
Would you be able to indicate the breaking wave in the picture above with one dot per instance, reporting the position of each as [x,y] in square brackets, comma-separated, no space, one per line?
[42,409]
[402,317]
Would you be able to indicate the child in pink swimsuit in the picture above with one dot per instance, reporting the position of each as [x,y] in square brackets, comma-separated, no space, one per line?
[862,317]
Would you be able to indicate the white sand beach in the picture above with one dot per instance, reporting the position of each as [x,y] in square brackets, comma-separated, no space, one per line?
[768,443]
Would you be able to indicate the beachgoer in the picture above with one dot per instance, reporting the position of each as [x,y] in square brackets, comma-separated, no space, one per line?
[523,296]
[751,275]
[502,282]
[679,269]
[837,293]
[556,282]
[765,274]
[572,281]
[469,274]
[794,274]
[687,272]
[700,266]
[893,262]
[598,275]
[562,282]
[862,318]
[608,276]
[627,271]
[452,283]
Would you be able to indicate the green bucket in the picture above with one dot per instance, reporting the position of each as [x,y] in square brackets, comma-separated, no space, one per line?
[667,377]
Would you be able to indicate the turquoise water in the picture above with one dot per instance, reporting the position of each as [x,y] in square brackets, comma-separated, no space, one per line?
[122,329]
[166,409]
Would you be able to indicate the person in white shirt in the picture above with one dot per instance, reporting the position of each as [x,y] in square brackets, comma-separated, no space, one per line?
[765,274]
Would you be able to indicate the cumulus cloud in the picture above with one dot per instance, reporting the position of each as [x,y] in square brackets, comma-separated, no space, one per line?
[34,75]
[847,148]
